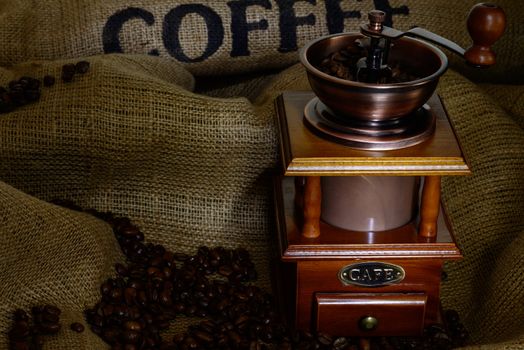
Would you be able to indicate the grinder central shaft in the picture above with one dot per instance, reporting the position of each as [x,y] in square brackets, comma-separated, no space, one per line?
[374,68]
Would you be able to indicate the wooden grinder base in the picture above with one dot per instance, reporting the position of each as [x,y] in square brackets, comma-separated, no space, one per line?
[316,260]
[314,298]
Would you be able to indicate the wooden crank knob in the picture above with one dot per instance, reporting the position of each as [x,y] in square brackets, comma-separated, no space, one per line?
[486,24]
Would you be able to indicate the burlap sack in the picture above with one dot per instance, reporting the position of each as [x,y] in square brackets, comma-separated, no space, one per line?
[191,170]
[217,37]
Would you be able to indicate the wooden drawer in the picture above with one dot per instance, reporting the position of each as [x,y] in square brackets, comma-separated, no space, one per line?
[384,314]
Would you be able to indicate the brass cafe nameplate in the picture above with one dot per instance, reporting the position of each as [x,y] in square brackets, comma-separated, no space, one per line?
[371,274]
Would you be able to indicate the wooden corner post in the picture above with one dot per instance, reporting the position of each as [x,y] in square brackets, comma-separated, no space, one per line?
[429,207]
[312,204]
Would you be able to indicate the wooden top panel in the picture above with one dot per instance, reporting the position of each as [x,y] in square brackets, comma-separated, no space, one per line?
[305,153]
[337,243]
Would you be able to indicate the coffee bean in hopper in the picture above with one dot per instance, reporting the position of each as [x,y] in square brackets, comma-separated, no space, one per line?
[49,80]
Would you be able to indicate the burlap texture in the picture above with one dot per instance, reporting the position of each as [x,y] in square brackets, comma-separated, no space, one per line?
[236,37]
[509,97]
[486,210]
[191,170]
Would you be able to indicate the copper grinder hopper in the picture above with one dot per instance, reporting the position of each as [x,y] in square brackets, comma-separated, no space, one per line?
[366,111]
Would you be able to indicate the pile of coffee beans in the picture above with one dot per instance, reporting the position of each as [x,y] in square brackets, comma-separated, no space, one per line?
[343,64]
[26,90]
[27,335]
[31,335]
[156,285]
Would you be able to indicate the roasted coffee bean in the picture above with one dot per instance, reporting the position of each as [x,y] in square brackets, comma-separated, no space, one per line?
[52,310]
[68,72]
[20,331]
[50,328]
[116,294]
[133,326]
[130,336]
[97,321]
[18,97]
[128,230]
[77,327]
[107,310]
[203,336]
[191,343]
[96,329]
[82,67]
[181,257]
[15,85]
[190,310]
[121,310]
[49,80]
[156,261]
[130,295]
[35,310]
[285,345]
[234,337]
[154,271]
[158,250]
[5,105]
[121,270]
[324,339]
[21,315]
[50,318]
[106,288]
[165,297]
[32,95]
[222,341]
[340,343]
[38,340]
[19,345]
[225,270]
[451,317]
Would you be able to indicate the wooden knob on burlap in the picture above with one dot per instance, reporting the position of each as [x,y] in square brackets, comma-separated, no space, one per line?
[486,24]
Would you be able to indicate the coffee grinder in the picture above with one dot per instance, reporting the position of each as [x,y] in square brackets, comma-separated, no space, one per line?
[361,233]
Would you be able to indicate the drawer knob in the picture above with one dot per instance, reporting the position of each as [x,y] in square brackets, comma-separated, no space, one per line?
[368,323]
